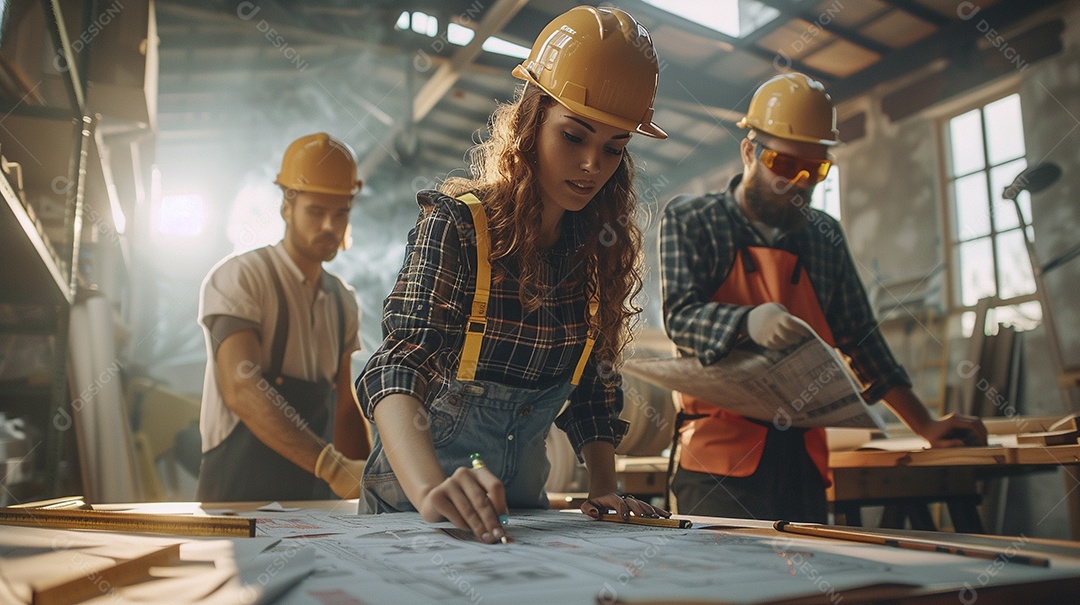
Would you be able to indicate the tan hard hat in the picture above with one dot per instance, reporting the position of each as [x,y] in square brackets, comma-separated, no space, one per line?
[793,106]
[598,63]
[321,164]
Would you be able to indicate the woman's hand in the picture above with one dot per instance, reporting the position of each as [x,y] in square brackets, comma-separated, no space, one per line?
[623,505]
[471,499]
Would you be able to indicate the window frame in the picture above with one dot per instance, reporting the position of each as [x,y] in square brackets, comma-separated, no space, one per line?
[951,238]
[819,195]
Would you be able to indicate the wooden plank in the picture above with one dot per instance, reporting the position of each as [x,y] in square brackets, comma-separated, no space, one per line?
[887,483]
[1048,454]
[101,582]
[969,367]
[962,456]
[1009,426]
[1066,437]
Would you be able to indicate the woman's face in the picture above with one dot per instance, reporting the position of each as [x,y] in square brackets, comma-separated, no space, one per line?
[575,157]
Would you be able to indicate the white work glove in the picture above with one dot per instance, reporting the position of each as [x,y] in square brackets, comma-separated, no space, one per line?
[771,326]
[342,473]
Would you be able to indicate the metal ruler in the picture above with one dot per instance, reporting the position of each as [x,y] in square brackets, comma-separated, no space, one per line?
[184,525]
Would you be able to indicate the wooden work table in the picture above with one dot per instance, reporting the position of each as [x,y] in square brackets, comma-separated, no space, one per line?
[905,477]
[991,455]
[590,562]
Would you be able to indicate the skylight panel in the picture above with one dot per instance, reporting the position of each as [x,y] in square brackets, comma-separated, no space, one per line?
[734,18]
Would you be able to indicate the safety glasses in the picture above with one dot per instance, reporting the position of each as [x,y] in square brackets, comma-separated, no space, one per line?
[790,167]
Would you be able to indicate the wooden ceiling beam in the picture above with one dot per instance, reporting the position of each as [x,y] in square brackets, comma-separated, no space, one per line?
[493,20]
[826,22]
[448,73]
[923,12]
[957,39]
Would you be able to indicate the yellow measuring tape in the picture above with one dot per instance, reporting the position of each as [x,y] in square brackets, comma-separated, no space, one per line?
[184,525]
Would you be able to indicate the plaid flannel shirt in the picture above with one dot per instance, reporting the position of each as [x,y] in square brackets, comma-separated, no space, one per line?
[697,250]
[425,315]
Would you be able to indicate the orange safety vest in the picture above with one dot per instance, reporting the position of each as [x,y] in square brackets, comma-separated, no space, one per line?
[724,443]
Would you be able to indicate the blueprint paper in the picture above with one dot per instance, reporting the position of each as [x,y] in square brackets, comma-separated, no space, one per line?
[808,385]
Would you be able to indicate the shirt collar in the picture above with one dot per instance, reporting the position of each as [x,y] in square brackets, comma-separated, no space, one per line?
[293,270]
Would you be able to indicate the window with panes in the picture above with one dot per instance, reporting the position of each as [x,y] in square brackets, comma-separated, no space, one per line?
[985,152]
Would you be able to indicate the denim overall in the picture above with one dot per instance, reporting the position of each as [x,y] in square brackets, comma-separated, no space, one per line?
[506,425]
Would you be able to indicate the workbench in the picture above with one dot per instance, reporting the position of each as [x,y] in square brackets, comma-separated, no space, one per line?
[324,554]
[906,478]
[906,481]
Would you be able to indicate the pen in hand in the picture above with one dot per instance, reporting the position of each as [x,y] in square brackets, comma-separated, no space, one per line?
[504,519]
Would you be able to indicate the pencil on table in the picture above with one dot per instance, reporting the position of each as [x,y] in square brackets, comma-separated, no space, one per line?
[824,531]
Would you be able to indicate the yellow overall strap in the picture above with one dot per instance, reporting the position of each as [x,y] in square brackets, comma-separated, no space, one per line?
[590,340]
[477,323]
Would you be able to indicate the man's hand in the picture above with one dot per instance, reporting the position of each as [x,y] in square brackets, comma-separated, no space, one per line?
[343,474]
[771,326]
[955,430]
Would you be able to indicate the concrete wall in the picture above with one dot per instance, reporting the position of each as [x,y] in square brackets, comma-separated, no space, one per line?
[1051,105]
[889,199]
[892,192]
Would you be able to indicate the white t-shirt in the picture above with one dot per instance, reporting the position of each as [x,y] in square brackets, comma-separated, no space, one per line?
[242,288]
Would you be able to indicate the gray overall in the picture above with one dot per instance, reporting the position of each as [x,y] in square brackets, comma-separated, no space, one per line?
[243,468]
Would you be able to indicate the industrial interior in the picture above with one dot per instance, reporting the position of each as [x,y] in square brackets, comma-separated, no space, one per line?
[140,142]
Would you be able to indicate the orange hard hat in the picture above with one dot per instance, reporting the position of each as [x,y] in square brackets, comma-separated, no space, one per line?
[321,164]
[793,106]
[598,62]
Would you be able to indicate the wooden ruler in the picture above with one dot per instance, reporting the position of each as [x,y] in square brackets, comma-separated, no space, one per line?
[101,582]
[184,525]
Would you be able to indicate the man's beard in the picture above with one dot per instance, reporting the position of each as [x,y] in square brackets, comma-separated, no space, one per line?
[329,256]
[784,209]
[317,250]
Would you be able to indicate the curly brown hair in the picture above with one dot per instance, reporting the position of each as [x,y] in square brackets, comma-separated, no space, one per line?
[503,175]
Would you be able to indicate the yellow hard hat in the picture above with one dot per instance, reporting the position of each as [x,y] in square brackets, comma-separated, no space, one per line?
[321,164]
[793,106]
[599,63]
